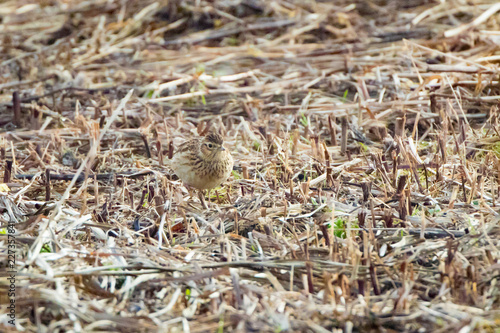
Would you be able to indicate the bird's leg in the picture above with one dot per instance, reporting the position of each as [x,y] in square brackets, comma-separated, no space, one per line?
[190,191]
[201,195]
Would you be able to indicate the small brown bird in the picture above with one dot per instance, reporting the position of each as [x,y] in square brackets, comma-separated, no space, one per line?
[203,163]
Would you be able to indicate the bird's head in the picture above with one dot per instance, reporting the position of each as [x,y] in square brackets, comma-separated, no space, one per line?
[212,146]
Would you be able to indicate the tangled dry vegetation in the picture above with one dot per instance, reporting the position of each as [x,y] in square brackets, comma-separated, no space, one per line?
[364,196]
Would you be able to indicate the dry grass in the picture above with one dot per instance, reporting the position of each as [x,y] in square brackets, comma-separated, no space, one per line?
[366,143]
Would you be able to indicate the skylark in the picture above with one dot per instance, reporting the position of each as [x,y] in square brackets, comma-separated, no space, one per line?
[203,163]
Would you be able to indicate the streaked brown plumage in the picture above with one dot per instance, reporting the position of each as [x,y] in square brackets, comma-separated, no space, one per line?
[203,163]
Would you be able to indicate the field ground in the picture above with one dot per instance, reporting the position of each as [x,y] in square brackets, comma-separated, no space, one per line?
[365,192]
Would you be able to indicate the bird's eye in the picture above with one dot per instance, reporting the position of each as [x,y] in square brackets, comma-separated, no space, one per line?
[210,145]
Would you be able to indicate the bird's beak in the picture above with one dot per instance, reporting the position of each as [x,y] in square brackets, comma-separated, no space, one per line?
[222,148]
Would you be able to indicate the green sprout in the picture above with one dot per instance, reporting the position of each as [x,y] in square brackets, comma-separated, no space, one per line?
[339,227]
[303,120]
[346,92]
[46,248]
[363,146]
[149,94]
[496,148]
